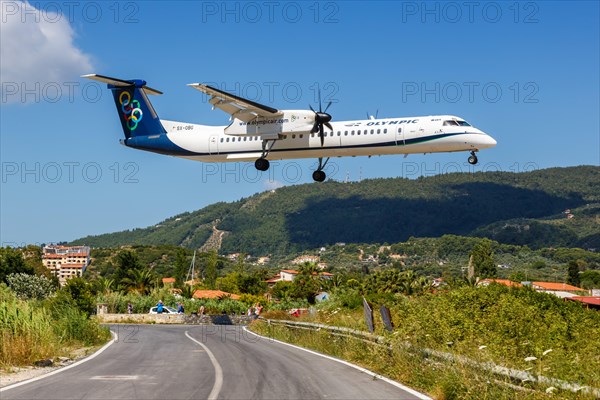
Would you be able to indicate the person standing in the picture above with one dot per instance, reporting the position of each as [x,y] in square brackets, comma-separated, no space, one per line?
[129,308]
[160,307]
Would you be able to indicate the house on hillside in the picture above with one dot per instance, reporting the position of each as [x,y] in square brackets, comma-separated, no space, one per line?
[213,294]
[587,301]
[168,281]
[288,275]
[505,282]
[562,290]
[305,258]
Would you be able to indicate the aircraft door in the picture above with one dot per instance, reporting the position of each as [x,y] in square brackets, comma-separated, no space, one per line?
[213,144]
[399,137]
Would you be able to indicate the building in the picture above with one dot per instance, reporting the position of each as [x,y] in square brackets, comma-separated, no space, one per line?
[562,290]
[263,260]
[66,262]
[505,282]
[587,301]
[168,281]
[288,275]
[214,294]
[305,258]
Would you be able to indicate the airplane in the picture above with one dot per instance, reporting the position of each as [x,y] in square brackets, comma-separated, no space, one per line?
[261,133]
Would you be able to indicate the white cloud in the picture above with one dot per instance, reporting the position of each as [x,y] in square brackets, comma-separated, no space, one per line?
[272,184]
[36,46]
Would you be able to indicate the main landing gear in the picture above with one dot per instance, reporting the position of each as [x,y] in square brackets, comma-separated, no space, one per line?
[319,174]
[262,164]
[472,158]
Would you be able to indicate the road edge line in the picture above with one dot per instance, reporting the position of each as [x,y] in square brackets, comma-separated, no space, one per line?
[349,364]
[214,393]
[57,371]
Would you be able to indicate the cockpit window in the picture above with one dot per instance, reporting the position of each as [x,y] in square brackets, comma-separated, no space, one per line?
[450,123]
[454,122]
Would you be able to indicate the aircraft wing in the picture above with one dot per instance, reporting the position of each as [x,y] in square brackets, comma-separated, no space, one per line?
[238,107]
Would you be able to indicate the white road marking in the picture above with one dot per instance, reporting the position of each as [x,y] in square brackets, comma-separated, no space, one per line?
[361,369]
[115,377]
[57,371]
[214,393]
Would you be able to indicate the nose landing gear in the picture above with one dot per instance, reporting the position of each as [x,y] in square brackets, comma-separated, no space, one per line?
[472,158]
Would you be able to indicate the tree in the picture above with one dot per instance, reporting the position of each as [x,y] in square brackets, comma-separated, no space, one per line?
[483,259]
[79,293]
[573,273]
[12,262]
[127,261]
[28,286]
[210,269]
[139,281]
[181,265]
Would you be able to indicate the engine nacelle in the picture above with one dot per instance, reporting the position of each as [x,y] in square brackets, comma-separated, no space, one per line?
[290,121]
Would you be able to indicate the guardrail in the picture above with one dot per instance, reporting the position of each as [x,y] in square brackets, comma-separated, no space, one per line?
[514,374]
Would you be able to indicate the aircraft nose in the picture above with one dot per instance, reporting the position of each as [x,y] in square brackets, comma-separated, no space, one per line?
[489,141]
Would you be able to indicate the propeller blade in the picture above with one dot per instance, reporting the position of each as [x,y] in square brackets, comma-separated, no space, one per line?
[320,100]
[311,109]
[321,133]
[326,108]
[327,124]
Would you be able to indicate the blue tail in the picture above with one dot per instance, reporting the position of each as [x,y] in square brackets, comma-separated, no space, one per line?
[136,113]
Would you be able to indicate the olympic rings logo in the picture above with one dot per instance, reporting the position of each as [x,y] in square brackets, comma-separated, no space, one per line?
[131,110]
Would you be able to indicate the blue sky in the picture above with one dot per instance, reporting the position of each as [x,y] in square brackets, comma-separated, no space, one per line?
[526,73]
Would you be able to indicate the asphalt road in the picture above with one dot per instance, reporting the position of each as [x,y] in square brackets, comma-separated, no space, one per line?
[201,362]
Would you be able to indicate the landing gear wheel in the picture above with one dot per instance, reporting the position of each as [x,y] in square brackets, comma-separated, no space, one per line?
[319,176]
[472,159]
[262,164]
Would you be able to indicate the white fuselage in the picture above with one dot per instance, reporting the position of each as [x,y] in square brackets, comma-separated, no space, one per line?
[237,142]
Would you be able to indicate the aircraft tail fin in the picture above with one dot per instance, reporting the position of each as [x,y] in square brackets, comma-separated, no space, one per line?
[136,113]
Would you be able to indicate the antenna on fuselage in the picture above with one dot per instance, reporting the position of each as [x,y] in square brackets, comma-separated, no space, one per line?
[373,117]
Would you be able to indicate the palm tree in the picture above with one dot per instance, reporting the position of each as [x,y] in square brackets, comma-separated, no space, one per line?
[139,281]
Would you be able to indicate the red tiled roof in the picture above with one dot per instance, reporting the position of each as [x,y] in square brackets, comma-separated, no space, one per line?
[290,271]
[276,278]
[294,272]
[556,286]
[213,294]
[505,282]
[64,255]
[587,300]
[168,280]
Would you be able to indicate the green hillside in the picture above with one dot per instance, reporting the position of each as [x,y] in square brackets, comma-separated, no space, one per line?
[514,208]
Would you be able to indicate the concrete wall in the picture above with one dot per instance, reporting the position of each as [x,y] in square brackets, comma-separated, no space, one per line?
[173,319]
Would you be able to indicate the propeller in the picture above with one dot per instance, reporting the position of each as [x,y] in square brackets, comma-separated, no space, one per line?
[321,118]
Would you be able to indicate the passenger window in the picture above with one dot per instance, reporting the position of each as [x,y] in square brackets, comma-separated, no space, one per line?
[221,140]
[384,131]
[378,130]
[244,138]
[352,133]
[293,136]
[358,132]
[301,136]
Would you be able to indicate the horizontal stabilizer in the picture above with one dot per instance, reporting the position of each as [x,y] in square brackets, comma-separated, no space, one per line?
[119,82]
